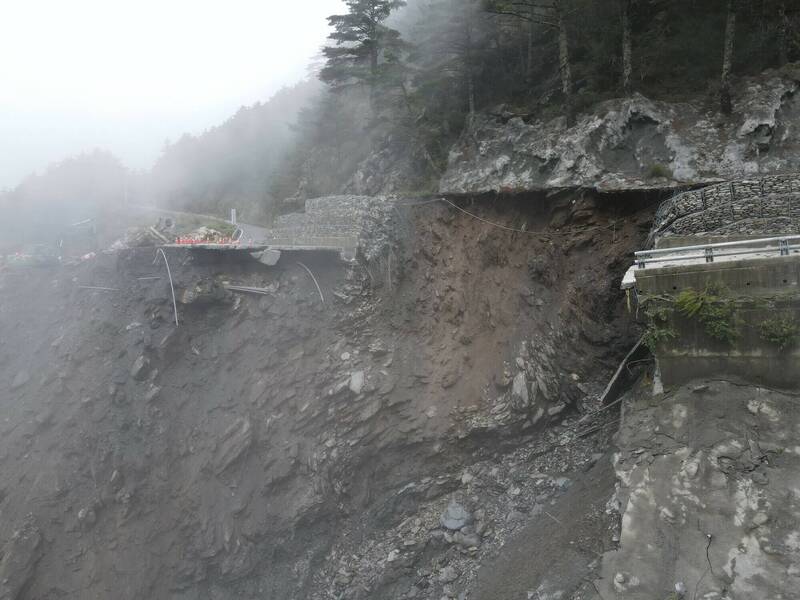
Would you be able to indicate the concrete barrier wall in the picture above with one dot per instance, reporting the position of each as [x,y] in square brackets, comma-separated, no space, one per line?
[765,276]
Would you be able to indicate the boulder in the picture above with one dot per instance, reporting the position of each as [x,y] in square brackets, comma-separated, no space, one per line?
[520,398]
[356,382]
[455,517]
[140,368]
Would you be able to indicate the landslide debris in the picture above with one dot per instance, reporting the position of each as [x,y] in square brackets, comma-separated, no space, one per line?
[274,446]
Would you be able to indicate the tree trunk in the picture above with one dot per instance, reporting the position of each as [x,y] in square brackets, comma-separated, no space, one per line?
[627,53]
[468,70]
[783,35]
[726,102]
[373,75]
[564,64]
[529,62]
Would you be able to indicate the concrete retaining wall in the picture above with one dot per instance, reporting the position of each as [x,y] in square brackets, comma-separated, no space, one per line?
[761,289]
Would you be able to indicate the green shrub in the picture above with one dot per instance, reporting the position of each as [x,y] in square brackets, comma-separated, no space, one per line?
[657,171]
[781,331]
[715,312]
[658,330]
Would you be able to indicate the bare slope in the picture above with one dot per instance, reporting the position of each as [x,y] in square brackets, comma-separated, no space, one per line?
[276,447]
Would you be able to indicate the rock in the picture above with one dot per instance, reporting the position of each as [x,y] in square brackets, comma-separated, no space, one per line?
[152,394]
[234,443]
[204,291]
[515,516]
[455,517]
[20,379]
[356,382]
[87,517]
[448,574]
[520,399]
[140,368]
[467,540]
[760,519]
[345,356]
[467,478]
[377,349]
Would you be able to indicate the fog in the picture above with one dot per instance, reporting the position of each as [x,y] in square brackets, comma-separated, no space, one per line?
[125,76]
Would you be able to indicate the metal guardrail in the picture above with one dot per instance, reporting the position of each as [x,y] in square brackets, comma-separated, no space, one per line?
[780,245]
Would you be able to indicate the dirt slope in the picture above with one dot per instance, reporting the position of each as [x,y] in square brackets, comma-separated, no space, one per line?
[276,447]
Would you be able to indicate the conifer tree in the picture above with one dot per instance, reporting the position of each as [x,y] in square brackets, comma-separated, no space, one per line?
[363,45]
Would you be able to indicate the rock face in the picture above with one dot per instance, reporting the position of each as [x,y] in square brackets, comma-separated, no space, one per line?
[633,144]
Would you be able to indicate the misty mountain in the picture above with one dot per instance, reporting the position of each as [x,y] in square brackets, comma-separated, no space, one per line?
[67,192]
[230,165]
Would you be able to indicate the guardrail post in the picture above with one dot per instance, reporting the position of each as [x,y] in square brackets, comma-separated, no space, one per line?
[784,247]
[709,252]
[642,260]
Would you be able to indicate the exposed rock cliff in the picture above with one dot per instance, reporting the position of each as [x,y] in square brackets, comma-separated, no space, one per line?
[634,144]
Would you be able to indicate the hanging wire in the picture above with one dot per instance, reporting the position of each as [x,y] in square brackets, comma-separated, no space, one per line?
[171,286]
[321,297]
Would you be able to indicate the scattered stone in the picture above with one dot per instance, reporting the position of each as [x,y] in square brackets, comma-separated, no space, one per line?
[20,379]
[520,400]
[760,519]
[356,382]
[345,356]
[152,394]
[140,368]
[467,540]
[87,517]
[467,478]
[448,574]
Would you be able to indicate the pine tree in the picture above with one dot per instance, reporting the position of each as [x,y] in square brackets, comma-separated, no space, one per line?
[363,45]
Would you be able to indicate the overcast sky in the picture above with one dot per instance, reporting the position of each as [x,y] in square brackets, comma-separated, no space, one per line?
[127,74]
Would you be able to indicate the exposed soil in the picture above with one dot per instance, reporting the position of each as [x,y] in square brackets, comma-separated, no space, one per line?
[278,447]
